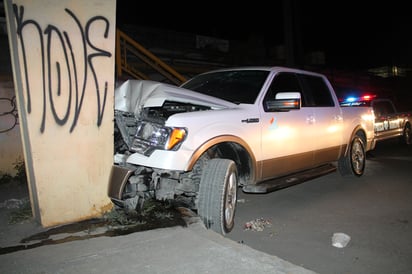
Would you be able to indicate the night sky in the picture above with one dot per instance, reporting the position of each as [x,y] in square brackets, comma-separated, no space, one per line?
[351,33]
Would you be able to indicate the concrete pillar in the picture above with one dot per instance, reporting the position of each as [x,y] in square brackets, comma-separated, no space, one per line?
[62,56]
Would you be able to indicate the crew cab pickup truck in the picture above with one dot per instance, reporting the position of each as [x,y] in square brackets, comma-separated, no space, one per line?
[258,129]
[389,122]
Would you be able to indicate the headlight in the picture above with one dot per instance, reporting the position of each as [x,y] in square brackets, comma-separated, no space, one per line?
[150,136]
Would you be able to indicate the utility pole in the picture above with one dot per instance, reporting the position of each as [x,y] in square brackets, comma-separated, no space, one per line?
[291,26]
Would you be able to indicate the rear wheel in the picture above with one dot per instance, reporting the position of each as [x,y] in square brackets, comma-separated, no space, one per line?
[407,135]
[353,163]
[218,194]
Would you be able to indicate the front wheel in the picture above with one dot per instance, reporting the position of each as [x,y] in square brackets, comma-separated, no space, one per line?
[218,194]
[353,163]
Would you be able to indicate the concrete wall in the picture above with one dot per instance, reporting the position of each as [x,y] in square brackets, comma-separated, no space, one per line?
[11,150]
[63,70]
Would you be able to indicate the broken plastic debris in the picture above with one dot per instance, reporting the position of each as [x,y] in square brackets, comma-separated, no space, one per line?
[340,240]
[257,224]
[119,158]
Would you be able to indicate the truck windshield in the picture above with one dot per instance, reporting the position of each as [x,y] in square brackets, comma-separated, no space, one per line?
[236,86]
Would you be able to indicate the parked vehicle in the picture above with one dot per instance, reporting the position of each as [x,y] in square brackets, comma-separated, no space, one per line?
[389,122]
[258,129]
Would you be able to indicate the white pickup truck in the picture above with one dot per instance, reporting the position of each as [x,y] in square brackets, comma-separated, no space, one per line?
[258,129]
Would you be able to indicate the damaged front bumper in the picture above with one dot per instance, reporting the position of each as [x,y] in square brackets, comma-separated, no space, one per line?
[118,179]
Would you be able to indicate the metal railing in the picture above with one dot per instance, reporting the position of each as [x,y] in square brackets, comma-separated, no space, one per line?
[138,62]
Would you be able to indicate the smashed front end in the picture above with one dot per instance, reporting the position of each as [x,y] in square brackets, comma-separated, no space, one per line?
[144,146]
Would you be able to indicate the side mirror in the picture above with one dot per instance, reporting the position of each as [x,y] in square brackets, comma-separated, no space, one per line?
[284,101]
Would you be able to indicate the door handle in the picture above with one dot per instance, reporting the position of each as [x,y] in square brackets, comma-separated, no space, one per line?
[310,119]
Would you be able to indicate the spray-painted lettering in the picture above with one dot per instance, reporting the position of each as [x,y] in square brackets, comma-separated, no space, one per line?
[9,118]
[65,69]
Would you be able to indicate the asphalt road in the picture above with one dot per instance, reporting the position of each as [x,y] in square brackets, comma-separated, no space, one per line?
[375,210]
[296,226]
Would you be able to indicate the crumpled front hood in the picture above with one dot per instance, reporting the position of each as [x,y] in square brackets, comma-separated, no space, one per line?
[133,95]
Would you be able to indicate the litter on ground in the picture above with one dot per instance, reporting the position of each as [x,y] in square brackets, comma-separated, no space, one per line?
[258,224]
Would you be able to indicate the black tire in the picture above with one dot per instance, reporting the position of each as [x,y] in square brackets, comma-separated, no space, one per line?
[353,163]
[407,135]
[218,194]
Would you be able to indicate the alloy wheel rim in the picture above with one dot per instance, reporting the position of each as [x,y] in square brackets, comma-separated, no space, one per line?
[230,201]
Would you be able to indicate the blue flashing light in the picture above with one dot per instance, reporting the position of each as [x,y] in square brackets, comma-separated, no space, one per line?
[356,101]
[351,99]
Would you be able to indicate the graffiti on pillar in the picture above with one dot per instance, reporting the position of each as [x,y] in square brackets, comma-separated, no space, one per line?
[9,116]
[64,73]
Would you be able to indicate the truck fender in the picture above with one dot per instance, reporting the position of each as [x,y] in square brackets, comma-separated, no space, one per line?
[252,163]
